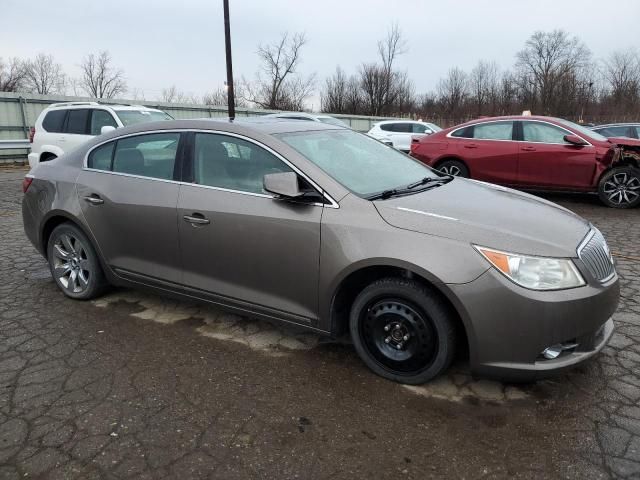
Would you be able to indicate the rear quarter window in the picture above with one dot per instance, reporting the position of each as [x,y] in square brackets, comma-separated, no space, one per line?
[54,120]
[100,158]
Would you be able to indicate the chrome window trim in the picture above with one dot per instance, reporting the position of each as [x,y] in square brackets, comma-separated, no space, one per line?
[449,135]
[332,202]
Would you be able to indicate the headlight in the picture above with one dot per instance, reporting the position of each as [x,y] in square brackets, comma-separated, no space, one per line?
[536,273]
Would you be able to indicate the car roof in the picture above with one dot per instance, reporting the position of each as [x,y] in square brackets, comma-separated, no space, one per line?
[245,126]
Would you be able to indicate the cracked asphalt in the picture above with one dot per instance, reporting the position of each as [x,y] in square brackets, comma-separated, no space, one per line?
[138,386]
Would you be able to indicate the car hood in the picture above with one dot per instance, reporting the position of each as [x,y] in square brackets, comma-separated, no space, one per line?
[490,216]
[626,141]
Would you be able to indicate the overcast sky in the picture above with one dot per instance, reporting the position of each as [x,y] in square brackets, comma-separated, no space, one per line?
[159,43]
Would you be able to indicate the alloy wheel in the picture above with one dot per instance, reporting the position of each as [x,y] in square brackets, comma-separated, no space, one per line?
[453,170]
[71,266]
[622,188]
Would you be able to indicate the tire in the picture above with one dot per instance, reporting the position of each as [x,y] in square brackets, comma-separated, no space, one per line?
[620,187]
[454,167]
[74,264]
[425,343]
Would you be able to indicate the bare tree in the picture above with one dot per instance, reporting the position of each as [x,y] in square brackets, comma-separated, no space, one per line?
[621,71]
[547,59]
[99,79]
[334,95]
[12,75]
[44,76]
[220,97]
[281,88]
[453,92]
[483,86]
[173,95]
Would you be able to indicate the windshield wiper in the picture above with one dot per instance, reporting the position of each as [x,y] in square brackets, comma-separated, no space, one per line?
[384,195]
[426,180]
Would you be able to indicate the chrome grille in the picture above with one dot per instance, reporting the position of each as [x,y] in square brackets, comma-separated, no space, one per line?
[595,254]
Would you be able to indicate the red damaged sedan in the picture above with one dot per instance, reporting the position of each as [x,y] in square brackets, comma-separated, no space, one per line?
[537,153]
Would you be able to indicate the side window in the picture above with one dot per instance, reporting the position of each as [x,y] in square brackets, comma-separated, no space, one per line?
[387,127]
[419,128]
[100,158]
[403,127]
[99,119]
[229,162]
[466,132]
[493,131]
[542,133]
[637,132]
[77,121]
[615,132]
[54,120]
[151,155]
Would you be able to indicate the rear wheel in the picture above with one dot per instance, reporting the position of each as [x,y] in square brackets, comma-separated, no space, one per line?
[74,264]
[402,331]
[454,167]
[620,187]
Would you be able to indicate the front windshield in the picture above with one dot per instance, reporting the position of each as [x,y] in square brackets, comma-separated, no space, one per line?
[333,121]
[583,130]
[131,117]
[360,163]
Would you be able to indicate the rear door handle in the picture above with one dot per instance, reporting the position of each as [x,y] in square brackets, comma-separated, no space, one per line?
[94,199]
[196,219]
[529,149]
[470,145]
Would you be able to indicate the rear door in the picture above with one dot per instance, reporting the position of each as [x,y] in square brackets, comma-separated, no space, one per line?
[545,159]
[489,151]
[128,195]
[239,245]
[76,128]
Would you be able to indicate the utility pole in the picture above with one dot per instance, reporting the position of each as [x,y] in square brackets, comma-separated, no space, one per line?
[231,105]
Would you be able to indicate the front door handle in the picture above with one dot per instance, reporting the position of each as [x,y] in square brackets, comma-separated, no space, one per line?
[196,219]
[529,149]
[470,145]
[94,199]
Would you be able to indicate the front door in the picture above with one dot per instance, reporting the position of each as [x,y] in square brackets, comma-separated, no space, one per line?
[545,159]
[240,245]
[129,198]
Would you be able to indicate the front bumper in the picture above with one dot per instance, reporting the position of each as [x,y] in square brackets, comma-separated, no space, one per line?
[508,326]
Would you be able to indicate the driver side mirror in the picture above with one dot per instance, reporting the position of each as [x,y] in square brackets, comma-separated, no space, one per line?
[106,129]
[283,184]
[574,140]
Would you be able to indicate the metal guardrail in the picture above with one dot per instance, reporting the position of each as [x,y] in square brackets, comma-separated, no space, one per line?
[14,144]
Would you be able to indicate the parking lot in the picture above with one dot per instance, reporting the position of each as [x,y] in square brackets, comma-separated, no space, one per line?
[134,385]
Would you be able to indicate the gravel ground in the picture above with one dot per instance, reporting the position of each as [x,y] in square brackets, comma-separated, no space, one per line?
[138,386]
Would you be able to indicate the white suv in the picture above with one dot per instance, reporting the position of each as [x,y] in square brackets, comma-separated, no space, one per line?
[399,132]
[61,127]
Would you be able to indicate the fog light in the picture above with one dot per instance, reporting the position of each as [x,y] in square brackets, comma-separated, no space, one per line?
[554,351]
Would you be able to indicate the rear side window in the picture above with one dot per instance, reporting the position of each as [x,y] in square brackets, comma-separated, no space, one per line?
[77,122]
[493,131]
[615,131]
[54,120]
[100,158]
[99,119]
[466,132]
[152,155]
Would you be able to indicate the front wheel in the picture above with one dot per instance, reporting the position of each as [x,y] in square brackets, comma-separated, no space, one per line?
[402,331]
[455,168]
[74,264]
[620,187]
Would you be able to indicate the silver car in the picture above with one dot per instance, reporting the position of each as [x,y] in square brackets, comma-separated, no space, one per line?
[326,228]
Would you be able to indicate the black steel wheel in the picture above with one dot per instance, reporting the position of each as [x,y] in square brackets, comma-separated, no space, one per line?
[402,330]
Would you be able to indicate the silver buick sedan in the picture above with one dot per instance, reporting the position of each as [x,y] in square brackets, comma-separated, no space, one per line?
[325,228]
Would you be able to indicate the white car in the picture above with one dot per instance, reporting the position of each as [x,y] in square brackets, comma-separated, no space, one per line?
[61,127]
[399,132]
[309,117]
